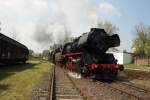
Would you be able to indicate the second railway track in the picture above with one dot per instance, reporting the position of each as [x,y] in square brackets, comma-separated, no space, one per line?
[129,89]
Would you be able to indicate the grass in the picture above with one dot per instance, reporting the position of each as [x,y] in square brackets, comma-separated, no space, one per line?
[140,67]
[18,81]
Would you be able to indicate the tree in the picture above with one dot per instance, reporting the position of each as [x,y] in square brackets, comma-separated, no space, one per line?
[141,43]
[45,53]
[55,46]
[68,39]
[147,49]
[31,52]
[108,27]
[59,45]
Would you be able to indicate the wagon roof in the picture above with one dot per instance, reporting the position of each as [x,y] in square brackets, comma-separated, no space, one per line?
[12,41]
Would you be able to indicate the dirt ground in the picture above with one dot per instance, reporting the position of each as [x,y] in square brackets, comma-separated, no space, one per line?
[141,78]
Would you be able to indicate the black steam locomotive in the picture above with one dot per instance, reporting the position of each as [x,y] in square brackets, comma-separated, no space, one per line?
[87,55]
[12,51]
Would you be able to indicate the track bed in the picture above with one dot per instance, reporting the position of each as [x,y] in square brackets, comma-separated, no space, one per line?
[64,88]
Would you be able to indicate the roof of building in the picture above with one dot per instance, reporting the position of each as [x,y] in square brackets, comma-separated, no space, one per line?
[118,51]
[12,41]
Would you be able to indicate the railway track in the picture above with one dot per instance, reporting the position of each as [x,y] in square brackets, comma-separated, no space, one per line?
[135,86]
[125,88]
[62,87]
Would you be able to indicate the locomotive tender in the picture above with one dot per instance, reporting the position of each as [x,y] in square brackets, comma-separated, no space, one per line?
[12,51]
[87,55]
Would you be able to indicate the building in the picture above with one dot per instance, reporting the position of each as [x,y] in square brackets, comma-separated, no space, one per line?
[122,57]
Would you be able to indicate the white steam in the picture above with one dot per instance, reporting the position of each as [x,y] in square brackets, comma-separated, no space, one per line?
[38,23]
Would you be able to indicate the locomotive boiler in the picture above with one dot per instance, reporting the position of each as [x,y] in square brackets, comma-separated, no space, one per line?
[87,55]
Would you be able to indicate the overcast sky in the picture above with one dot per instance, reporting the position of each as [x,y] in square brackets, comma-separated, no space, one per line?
[38,23]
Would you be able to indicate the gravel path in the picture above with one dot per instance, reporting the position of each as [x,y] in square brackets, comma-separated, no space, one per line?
[42,91]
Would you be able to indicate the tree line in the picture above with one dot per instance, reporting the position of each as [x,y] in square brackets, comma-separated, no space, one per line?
[141,42]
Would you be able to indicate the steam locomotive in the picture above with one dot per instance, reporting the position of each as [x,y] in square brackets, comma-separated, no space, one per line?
[87,55]
[12,51]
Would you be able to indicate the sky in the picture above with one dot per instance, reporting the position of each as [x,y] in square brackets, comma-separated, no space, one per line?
[39,23]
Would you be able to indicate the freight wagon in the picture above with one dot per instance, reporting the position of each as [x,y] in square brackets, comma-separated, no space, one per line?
[12,51]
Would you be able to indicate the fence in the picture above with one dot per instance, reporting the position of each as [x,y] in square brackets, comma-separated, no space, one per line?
[142,61]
